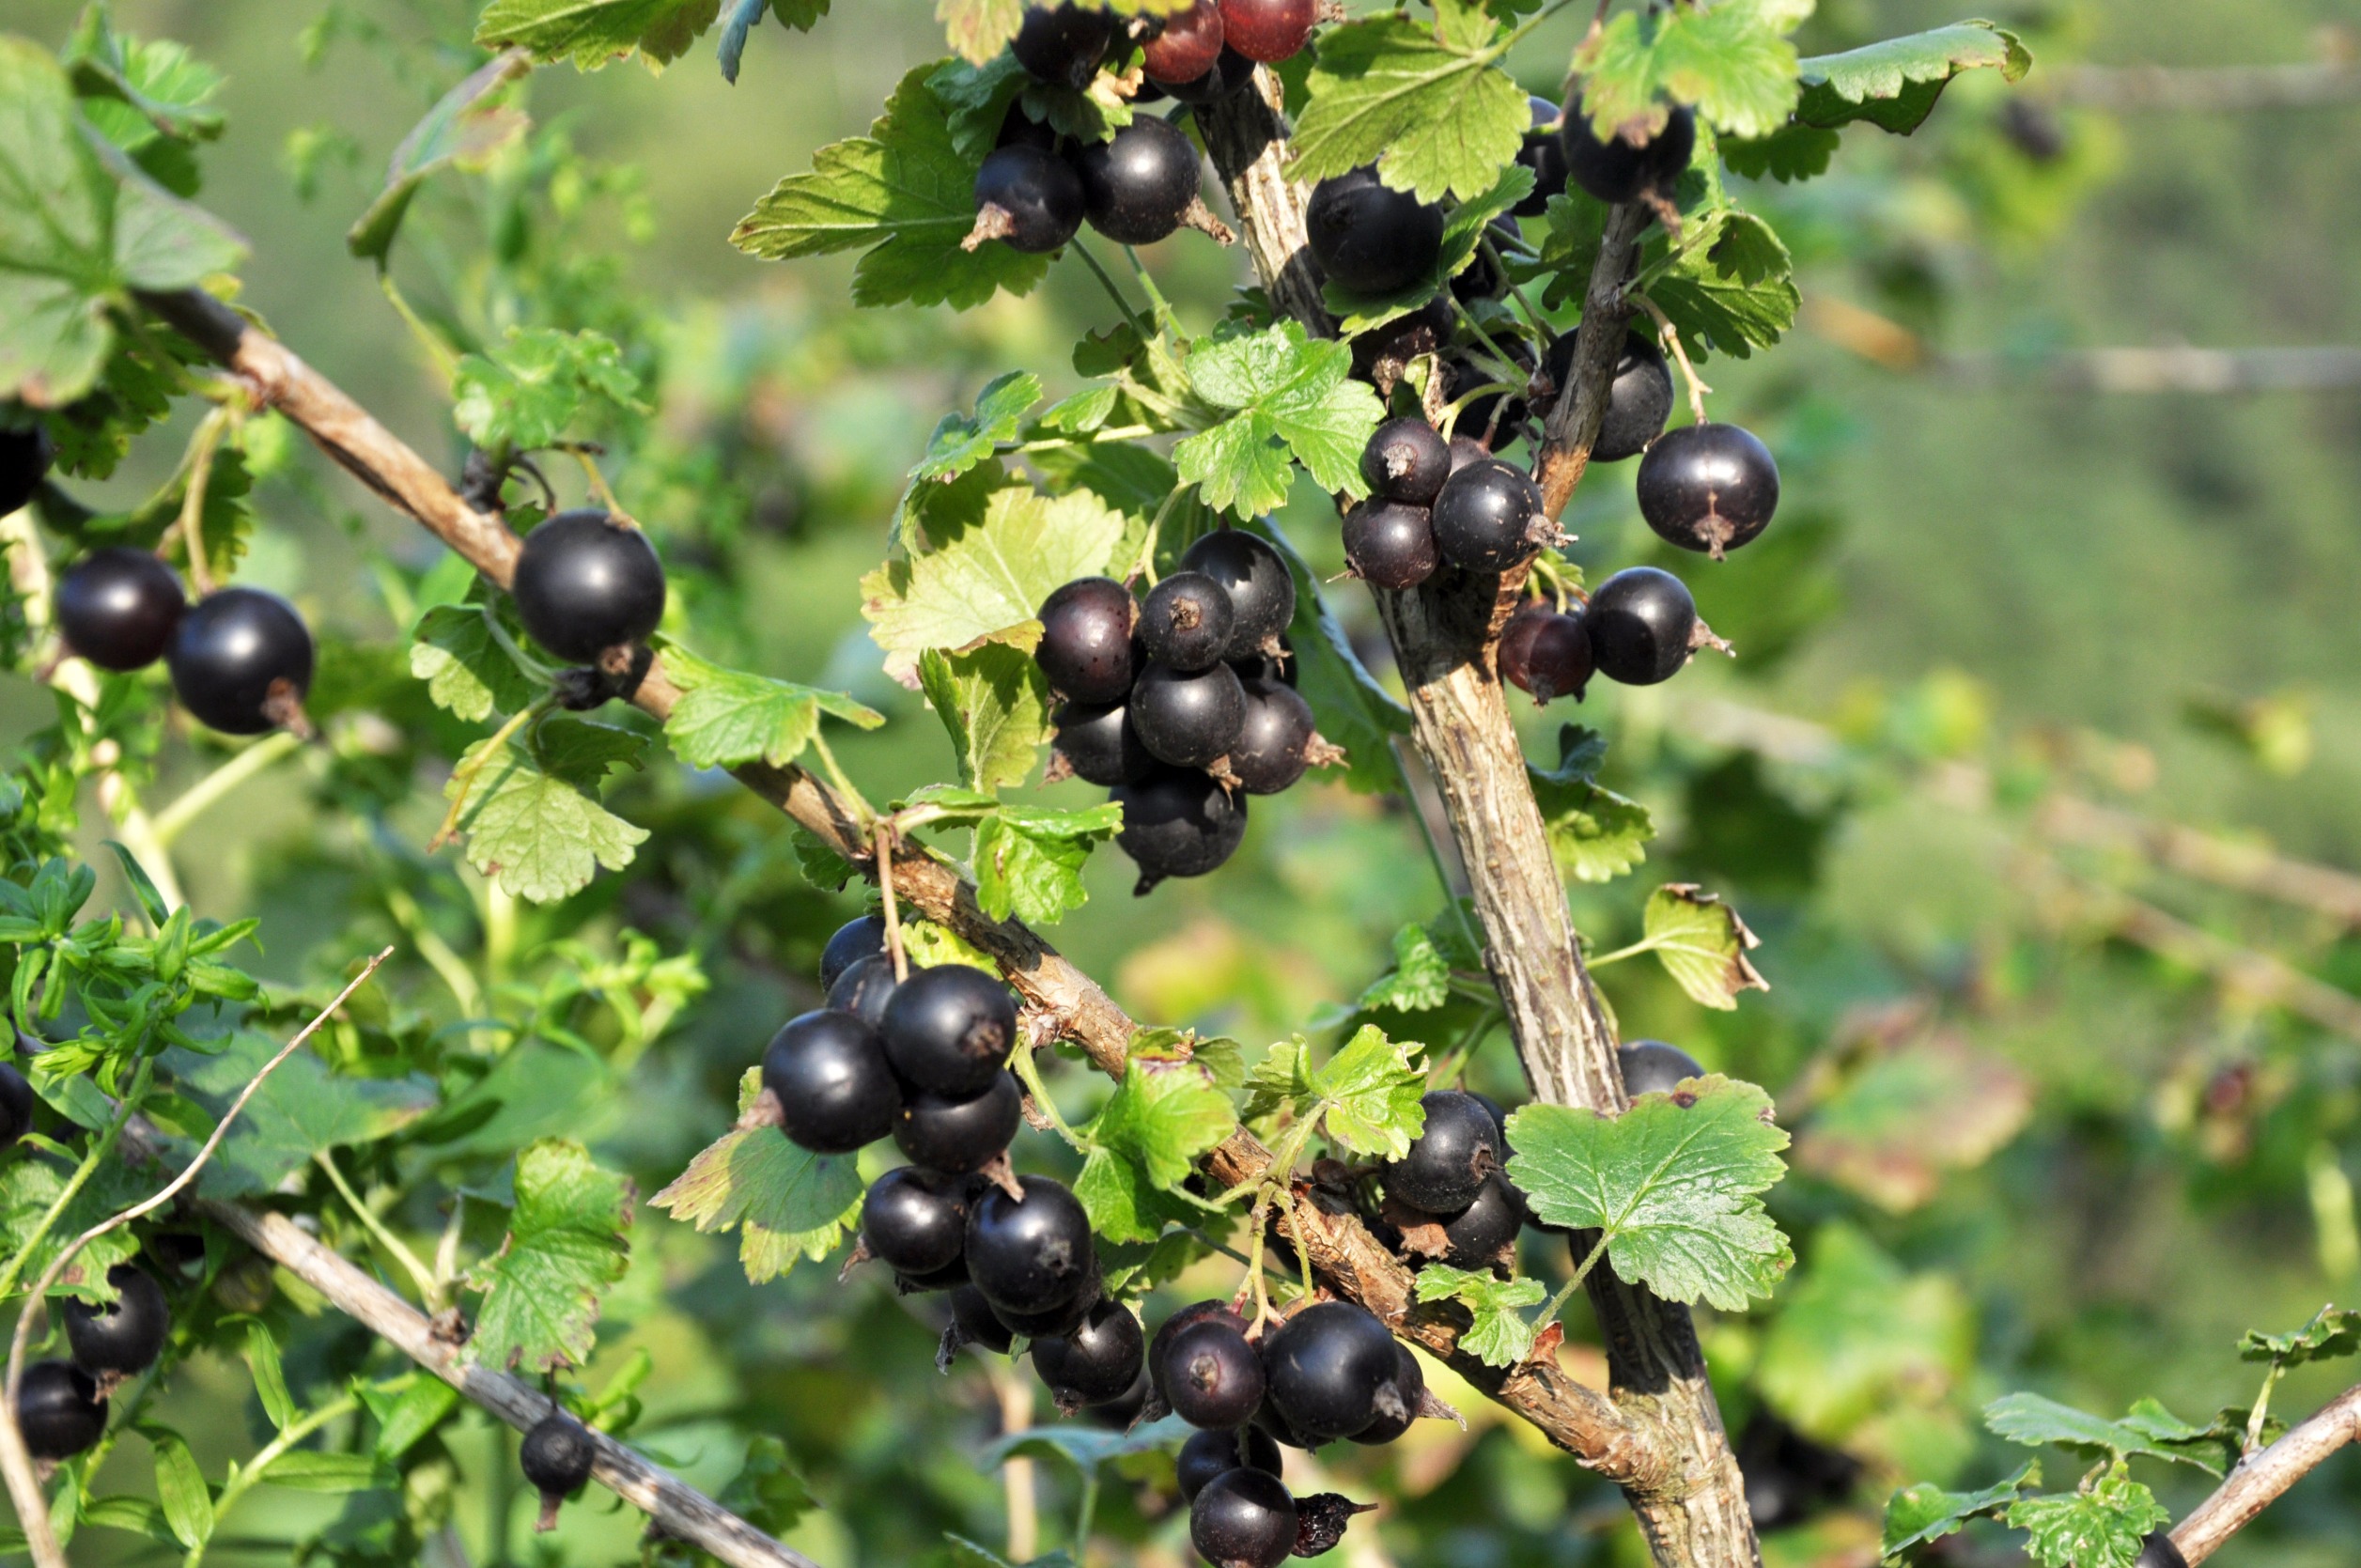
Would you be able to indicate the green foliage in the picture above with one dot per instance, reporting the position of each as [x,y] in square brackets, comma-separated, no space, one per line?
[302,1111]
[1291,398]
[565,1246]
[1143,1144]
[528,393]
[2148,1431]
[1893,84]
[468,669]
[1703,945]
[1919,1516]
[529,806]
[1498,1334]
[787,1204]
[1427,104]
[1596,834]
[466,129]
[590,32]
[1365,1097]
[2103,1526]
[995,704]
[1732,62]
[1029,861]
[2333,1334]
[726,717]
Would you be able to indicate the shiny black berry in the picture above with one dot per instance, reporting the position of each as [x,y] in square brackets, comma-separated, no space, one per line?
[1516,1195]
[1188,719]
[2158,1551]
[1489,518]
[863,989]
[1018,128]
[1063,45]
[1639,400]
[1211,1376]
[118,608]
[1477,1233]
[1709,488]
[1138,185]
[1329,1366]
[1275,1425]
[1232,72]
[1618,170]
[16,1106]
[1062,1318]
[1269,30]
[59,1410]
[1211,1453]
[586,583]
[1382,355]
[1085,647]
[1468,450]
[1370,239]
[1185,622]
[1121,1413]
[914,1220]
[1262,590]
[1195,1313]
[1546,156]
[1401,1405]
[960,1135]
[1186,46]
[974,1323]
[1030,1256]
[1028,199]
[1178,822]
[829,1073]
[1099,743]
[556,1457]
[1096,1362]
[1244,1518]
[1640,621]
[241,661]
[1546,653]
[949,1030]
[25,454]
[1451,1157]
[1482,278]
[1389,545]
[1274,744]
[124,1336]
[1653,1067]
[854,940]
[1407,460]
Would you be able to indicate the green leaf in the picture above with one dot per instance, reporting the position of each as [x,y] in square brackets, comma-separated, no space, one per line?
[590,32]
[1369,1094]
[767,1493]
[2334,1334]
[466,127]
[2147,1431]
[1703,945]
[1081,1446]
[466,669]
[1734,295]
[419,1408]
[1893,84]
[1857,1337]
[1419,980]
[188,1502]
[1674,1186]
[1595,835]
[2103,1526]
[785,1203]
[311,1470]
[1790,154]
[270,1377]
[303,1109]
[904,193]
[962,440]
[1352,709]
[1144,1144]
[529,818]
[1463,234]
[1433,112]
[137,92]
[728,717]
[30,1185]
[802,15]
[1029,861]
[1295,398]
[1916,1515]
[528,392]
[564,1249]
[1500,1335]
[135,1515]
[1730,63]
[995,702]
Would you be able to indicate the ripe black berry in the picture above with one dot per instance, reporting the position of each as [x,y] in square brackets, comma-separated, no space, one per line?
[1653,1067]
[1231,72]
[1188,719]
[828,1073]
[1211,1376]
[1269,30]
[1211,1453]
[1099,743]
[241,661]
[16,1106]
[117,607]
[1063,45]
[1018,128]
[1407,460]
[1709,488]
[1382,355]
[914,1220]
[1401,1407]
[125,1336]
[863,989]
[1327,1365]
[949,1030]
[1032,1256]
[1482,278]
[556,1457]
[1639,400]
[1186,622]
[59,1409]
[1546,156]
[972,1320]
[1274,1425]
[1096,1362]
[1062,1318]
[1085,647]
[1476,1233]
[1547,652]
[854,940]
[960,1135]
[1028,199]
[1640,621]
[1525,1214]
[1178,822]
[1274,744]
[1616,170]
[586,583]
[1186,46]
[1489,518]
[1451,1157]
[1466,450]
[1370,239]
[1262,590]
[1121,1413]
[2158,1551]
[949,1276]
[24,458]
[1243,1518]
[1195,1313]
[1389,545]
[1137,186]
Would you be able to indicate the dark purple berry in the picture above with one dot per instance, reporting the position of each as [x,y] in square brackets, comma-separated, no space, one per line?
[1195,1313]
[863,989]
[1064,1318]
[126,1335]
[1211,1376]
[1028,199]
[1640,622]
[949,1030]
[1138,185]
[586,583]
[974,1322]
[241,661]
[1185,623]
[915,1222]
[1268,31]
[1408,1394]
[1489,518]
[1188,45]
[1617,170]
[1653,1067]
[1232,71]
[1096,1362]
[1370,239]
[1451,1157]
[1211,1453]
[1063,45]
[59,1410]
[1244,1518]
[1389,545]
[1382,355]
[1546,156]
[1476,1233]
[1030,1256]
[1121,1413]
[1188,719]
[1330,1366]
[118,608]
[1274,744]
[1407,460]
[828,1073]
[556,1457]
[16,1106]
[1709,488]
[1639,400]
[1273,1424]
[1085,647]
[1018,129]
[1262,590]
[1099,743]
[1466,450]
[1547,652]
[25,454]
[2158,1551]
[960,1135]
[950,1276]
[1178,822]
[1482,278]
[854,940]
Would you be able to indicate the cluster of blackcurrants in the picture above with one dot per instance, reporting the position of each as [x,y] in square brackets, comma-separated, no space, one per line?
[1034,189]
[61,1404]
[241,659]
[1185,703]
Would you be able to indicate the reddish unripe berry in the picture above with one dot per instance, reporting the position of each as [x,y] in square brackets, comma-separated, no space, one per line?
[1268,31]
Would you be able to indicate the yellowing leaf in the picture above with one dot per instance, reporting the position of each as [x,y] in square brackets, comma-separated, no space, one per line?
[1703,945]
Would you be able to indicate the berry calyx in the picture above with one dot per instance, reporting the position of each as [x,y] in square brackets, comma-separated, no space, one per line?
[1262,590]
[1638,399]
[586,582]
[1033,1254]
[1186,46]
[16,1106]
[241,661]
[1547,652]
[949,1030]
[1028,199]
[1389,545]
[1407,460]
[1382,355]
[973,1323]
[827,1072]
[1546,156]
[1330,1366]
[1451,1159]
[556,1457]
[1211,1376]
[1189,719]
[1642,623]
[1099,743]
[1096,1362]
[915,1222]
[1410,1394]
[124,1336]
[1178,822]
[59,1410]
[960,1135]
[1275,742]
[863,989]
[1211,1453]
[1086,649]
[1186,622]
[117,607]
[1063,45]
[853,941]
[1138,185]
[1477,1233]
[1489,518]
[1622,170]
[24,458]
[1268,31]
[1243,1518]
[1709,488]
[1653,1067]
[1370,239]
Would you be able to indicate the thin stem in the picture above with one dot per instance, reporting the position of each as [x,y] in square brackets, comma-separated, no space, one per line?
[1645,944]
[1556,1304]
[1468,317]
[194,801]
[1671,336]
[1028,1073]
[837,777]
[1452,1067]
[419,1273]
[256,1469]
[540,672]
[1107,283]
[892,914]
[435,951]
[437,350]
[1451,410]
[598,483]
[1050,443]
[202,447]
[464,775]
[1083,1514]
[1516,291]
[124,1109]
[1145,564]
[1157,301]
[1015,1395]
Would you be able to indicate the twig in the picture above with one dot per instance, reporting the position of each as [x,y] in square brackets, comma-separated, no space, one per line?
[2261,1478]
[1671,336]
[420,1275]
[217,785]
[893,910]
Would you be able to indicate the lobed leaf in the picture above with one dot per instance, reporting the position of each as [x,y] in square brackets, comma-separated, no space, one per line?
[565,1246]
[590,32]
[1369,1094]
[1919,1516]
[1893,84]
[1703,945]
[728,717]
[528,393]
[786,1203]
[2103,1524]
[466,669]
[529,818]
[2333,1334]
[994,702]
[1431,110]
[1029,861]
[1595,835]
[1294,399]
[1501,1336]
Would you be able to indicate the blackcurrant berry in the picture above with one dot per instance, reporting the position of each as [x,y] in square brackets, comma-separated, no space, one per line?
[1030,1256]
[1231,72]
[1476,1233]
[1709,488]
[1262,590]
[586,582]
[1268,31]
[1402,1406]
[1449,1159]
[1467,450]
[1121,1413]
[1653,1067]
[949,1030]
[1099,743]
[1028,199]
[1062,1318]
[1482,278]
[1085,647]
[973,1321]
[124,1336]
[1407,460]
[950,1276]
[1195,1313]
[1188,719]
[1370,239]
[1184,624]
[117,607]
[1275,1425]
[829,1073]
[1525,1214]
[1138,185]
[1389,545]
[1617,170]
[1063,45]
[1178,822]
[2158,1551]
[16,1106]
[1489,518]
[241,661]
[1546,653]
[854,940]
[556,1457]
[1243,1518]
[1382,355]
[59,1410]
[1186,46]
[24,458]
[1280,667]
[1211,1453]
[1546,156]
[1096,1362]
[1019,129]
[1327,1365]
[863,989]
[1639,400]
[1640,621]
[915,1222]
[1274,744]
[1211,1376]
[960,1134]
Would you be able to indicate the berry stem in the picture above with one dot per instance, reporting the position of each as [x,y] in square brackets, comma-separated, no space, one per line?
[437,349]
[376,1227]
[858,802]
[885,841]
[1028,1073]
[203,443]
[1107,283]
[1665,329]
[1084,1513]
[1556,1304]
[584,455]
[200,797]
[1145,566]
[1517,292]
[464,775]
